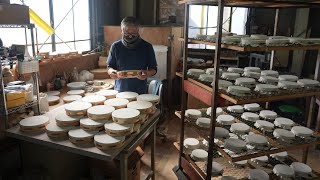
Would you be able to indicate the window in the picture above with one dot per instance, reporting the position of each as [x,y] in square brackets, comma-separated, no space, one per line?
[73,32]
[203,20]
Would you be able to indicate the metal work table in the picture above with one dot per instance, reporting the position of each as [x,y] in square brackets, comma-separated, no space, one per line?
[90,150]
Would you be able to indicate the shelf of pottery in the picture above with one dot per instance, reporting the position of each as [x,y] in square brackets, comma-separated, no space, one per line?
[244,133]
[107,118]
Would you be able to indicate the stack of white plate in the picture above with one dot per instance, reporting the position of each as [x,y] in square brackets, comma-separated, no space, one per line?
[221,133]
[125,116]
[283,135]
[284,123]
[210,71]
[264,125]
[216,170]
[203,122]
[91,125]
[255,75]
[223,84]
[308,83]
[117,103]
[301,131]
[105,142]
[301,169]
[238,90]
[253,107]
[252,42]
[191,144]
[268,80]
[288,78]
[199,155]
[206,78]
[195,72]
[283,171]
[154,99]
[267,114]
[252,69]
[289,85]
[296,40]
[80,136]
[230,76]
[130,96]
[271,73]
[257,141]
[262,160]
[225,119]
[277,42]
[231,40]
[281,156]
[114,129]
[266,88]
[193,114]
[259,36]
[239,128]
[235,70]
[258,174]
[235,109]
[108,93]
[249,116]
[235,145]
[219,111]
[245,82]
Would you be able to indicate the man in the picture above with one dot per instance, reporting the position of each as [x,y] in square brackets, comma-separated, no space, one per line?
[131,53]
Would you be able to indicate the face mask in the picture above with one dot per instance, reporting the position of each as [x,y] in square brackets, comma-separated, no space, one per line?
[130,39]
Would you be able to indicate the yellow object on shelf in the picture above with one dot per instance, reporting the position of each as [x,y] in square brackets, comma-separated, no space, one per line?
[38,21]
[15,95]
[15,103]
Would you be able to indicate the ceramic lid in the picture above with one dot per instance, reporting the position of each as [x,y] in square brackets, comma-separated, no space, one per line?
[203,121]
[288,85]
[301,131]
[139,105]
[72,98]
[283,170]
[239,89]
[235,108]
[230,76]
[63,117]
[255,75]
[115,102]
[282,133]
[206,77]
[245,81]
[252,107]
[221,132]
[78,106]
[108,140]
[223,84]
[288,78]
[94,99]
[280,121]
[283,154]
[258,174]
[252,69]
[268,114]
[200,154]
[270,73]
[301,168]
[234,143]
[239,127]
[101,110]
[264,124]
[268,79]
[250,116]
[90,122]
[193,113]
[219,111]
[125,113]
[308,82]
[52,127]
[148,97]
[256,139]
[260,159]
[235,70]
[34,121]
[53,98]
[117,127]
[217,168]
[107,92]
[127,95]
[80,133]
[266,88]
[226,119]
[75,92]
[191,142]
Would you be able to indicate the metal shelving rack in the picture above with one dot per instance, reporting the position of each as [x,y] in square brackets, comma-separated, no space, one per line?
[4,112]
[210,95]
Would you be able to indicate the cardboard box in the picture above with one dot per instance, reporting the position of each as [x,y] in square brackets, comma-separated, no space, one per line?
[14,14]
[15,103]
[15,95]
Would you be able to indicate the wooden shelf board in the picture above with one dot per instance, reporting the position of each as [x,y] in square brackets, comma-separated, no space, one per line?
[235,100]
[257,3]
[254,49]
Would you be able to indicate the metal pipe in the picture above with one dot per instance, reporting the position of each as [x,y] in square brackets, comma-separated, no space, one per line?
[184,95]
[214,99]
[230,19]
[276,20]
[53,38]
[74,28]
[32,39]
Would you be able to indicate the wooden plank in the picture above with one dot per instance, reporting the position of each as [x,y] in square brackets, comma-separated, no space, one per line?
[255,49]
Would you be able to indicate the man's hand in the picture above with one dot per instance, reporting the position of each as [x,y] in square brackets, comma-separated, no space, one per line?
[143,75]
[113,74]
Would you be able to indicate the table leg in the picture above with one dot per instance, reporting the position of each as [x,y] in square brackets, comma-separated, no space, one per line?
[305,155]
[123,166]
[153,146]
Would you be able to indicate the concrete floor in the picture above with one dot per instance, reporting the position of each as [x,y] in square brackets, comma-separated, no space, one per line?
[167,155]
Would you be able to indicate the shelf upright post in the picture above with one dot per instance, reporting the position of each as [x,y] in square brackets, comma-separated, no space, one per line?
[3,110]
[31,27]
[184,94]
[276,20]
[214,99]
